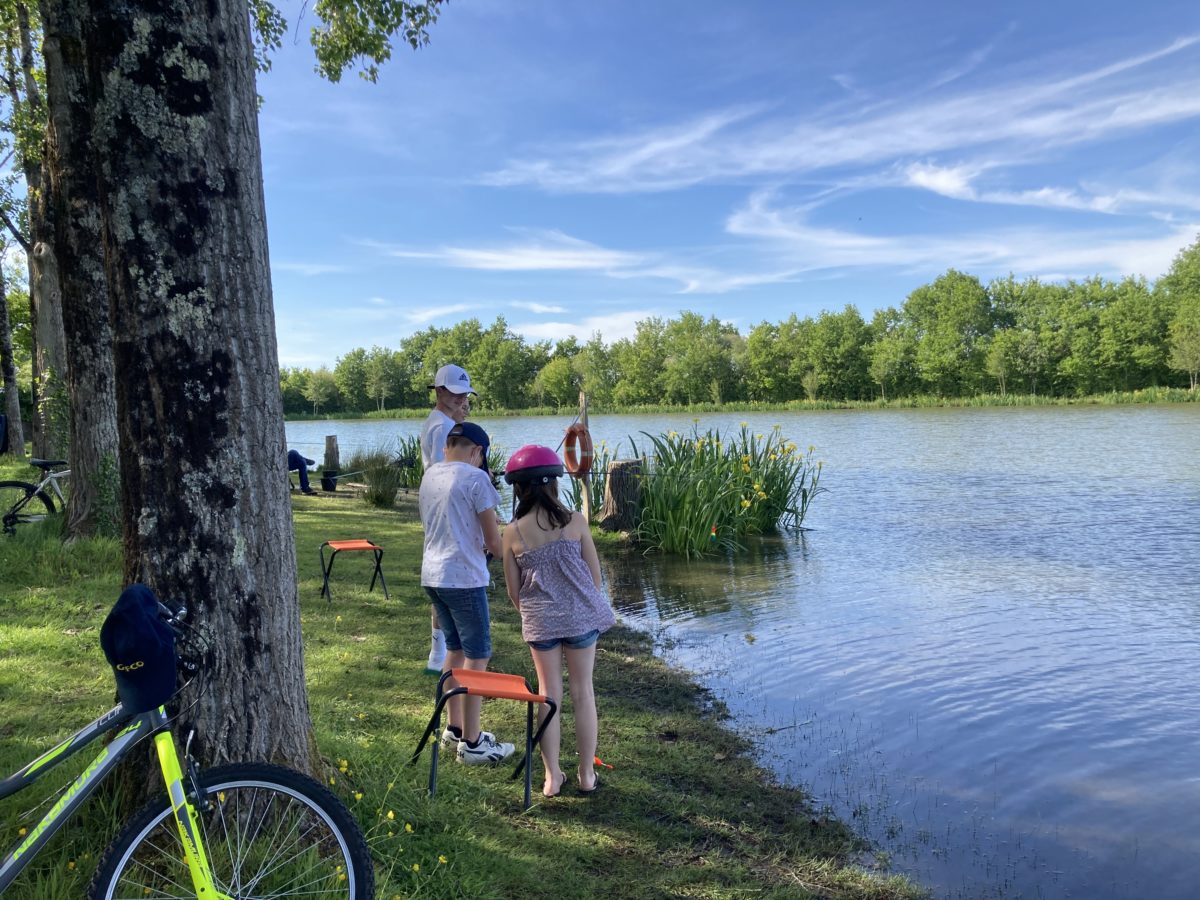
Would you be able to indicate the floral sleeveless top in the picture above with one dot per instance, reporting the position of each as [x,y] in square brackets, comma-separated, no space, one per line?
[558,597]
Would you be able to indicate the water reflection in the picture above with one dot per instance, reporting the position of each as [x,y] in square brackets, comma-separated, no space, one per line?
[742,584]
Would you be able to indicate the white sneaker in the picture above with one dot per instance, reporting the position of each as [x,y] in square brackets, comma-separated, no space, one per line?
[437,652]
[450,739]
[487,752]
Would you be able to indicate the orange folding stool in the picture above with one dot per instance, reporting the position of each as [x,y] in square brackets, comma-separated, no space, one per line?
[487,684]
[349,546]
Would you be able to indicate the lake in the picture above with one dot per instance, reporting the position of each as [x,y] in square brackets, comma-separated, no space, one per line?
[983,654]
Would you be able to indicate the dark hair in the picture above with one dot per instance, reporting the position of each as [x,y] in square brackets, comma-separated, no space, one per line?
[541,497]
[460,440]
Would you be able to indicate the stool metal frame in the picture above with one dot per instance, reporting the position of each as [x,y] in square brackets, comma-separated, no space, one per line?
[487,684]
[349,546]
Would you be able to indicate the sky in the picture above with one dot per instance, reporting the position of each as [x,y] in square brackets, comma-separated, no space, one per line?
[577,167]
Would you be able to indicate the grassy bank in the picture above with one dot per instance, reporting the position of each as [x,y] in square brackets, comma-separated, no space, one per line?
[1114,398]
[684,812]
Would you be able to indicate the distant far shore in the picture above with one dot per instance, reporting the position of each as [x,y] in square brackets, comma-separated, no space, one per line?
[1115,398]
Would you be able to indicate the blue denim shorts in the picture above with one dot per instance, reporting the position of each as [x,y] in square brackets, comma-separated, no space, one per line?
[463,615]
[579,642]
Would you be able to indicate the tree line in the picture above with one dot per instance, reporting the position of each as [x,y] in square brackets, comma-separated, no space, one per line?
[953,337]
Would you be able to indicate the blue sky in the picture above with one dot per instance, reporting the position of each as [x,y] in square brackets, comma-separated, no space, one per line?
[577,167]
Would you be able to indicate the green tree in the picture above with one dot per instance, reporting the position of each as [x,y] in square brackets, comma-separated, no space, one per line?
[765,368]
[891,352]
[1180,293]
[350,374]
[382,375]
[293,384]
[502,367]
[1132,344]
[838,350]
[557,384]
[949,318]
[321,389]
[594,368]
[638,364]
[698,360]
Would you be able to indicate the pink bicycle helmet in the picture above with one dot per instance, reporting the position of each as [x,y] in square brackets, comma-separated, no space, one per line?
[533,462]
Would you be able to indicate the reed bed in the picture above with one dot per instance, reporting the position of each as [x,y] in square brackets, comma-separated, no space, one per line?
[702,492]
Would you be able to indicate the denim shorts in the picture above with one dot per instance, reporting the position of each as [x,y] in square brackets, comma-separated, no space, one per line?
[579,642]
[463,615]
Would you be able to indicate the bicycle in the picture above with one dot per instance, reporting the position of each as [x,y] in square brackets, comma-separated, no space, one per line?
[231,833]
[23,502]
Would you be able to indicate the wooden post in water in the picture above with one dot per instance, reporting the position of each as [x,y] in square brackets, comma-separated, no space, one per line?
[586,480]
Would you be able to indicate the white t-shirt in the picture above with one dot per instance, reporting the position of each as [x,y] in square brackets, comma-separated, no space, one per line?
[452,496]
[433,437]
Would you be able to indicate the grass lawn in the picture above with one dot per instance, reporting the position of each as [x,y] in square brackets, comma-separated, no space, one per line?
[684,812]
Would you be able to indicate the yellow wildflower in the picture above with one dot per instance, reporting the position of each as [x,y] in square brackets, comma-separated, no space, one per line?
[408,827]
[443,860]
[745,504]
[416,867]
[333,781]
[746,468]
[358,795]
[391,815]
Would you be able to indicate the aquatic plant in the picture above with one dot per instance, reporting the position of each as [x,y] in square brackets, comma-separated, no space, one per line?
[701,492]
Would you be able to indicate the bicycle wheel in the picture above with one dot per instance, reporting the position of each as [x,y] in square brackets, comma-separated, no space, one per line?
[21,502]
[268,832]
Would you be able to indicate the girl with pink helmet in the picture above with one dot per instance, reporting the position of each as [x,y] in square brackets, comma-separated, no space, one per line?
[553,578]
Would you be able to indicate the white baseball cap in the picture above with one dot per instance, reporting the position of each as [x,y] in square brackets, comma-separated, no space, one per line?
[454,379]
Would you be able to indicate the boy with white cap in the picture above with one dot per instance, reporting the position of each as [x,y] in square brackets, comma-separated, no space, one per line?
[452,385]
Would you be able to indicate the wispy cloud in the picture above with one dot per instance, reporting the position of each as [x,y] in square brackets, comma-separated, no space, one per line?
[973,60]
[1045,251]
[537,307]
[534,251]
[541,251]
[612,327]
[428,314]
[752,142]
[959,182]
[309,269]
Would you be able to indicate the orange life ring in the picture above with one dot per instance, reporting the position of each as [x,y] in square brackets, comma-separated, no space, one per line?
[577,452]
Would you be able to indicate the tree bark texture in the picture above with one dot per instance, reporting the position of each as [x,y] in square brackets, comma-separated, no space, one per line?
[8,372]
[72,202]
[622,489]
[50,416]
[206,513]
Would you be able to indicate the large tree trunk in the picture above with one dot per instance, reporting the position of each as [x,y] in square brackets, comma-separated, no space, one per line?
[51,417]
[74,213]
[8,371]
[204,484]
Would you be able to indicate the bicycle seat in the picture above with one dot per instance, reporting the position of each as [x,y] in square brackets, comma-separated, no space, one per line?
[47,464]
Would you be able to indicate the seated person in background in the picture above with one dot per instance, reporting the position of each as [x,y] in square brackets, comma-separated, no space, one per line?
[299,463]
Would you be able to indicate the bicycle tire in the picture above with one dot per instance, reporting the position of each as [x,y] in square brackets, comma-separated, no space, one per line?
[21,496]
[268,832]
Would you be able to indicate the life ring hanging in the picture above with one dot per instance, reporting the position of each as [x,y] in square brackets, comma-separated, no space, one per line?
[577,452]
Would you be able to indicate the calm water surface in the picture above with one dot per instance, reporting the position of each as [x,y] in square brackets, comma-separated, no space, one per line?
[984,653]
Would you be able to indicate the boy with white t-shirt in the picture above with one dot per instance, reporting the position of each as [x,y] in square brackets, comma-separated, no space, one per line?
[458,512]
[452,387]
